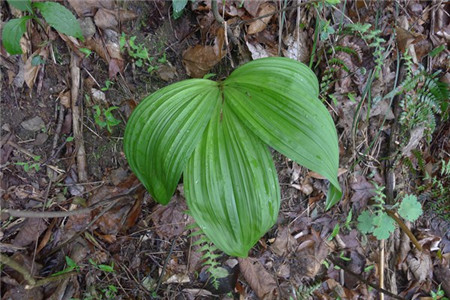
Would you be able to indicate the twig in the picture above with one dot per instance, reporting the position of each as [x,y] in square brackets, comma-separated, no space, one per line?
[220,20]
[404,228]
[63,214]
[76,118]
[360,278]
[165,263]
[4,259]
[58,128]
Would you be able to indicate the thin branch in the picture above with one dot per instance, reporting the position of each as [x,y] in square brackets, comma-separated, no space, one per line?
[4,259]
[404,228]
[359,277]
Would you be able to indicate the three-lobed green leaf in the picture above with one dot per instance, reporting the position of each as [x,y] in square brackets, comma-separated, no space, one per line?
[410,209]
[218,133]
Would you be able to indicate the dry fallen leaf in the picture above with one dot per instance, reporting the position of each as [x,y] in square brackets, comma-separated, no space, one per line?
[261,24]
[318,176]
[284,243]
[261,281]
[106,18]
[31,229]
[170,220]
[199,60]
[87,8]
[31,71]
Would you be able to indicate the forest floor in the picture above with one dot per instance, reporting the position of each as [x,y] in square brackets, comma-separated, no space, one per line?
[76,224]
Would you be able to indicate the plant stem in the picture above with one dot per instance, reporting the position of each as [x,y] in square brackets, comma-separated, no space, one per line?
[404,228]
[16,266]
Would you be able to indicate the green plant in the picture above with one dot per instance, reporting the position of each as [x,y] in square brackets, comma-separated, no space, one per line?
[104,117]
[139,53]
[53,13]
[71,266]
[108,84]
[209,257]
[28,166]
[377,220]
[439,294]
[217,134]
[178,7]
[305,291]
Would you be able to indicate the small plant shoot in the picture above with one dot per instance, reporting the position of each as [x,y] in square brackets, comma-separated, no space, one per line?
[218,134]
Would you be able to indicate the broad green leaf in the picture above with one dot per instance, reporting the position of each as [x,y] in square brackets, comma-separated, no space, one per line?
[277,99]
[12,32]
[365,222]
[178,7]
[410,209]
[384,226]
[23,5]
[231,184]
[163,131]
[60,18]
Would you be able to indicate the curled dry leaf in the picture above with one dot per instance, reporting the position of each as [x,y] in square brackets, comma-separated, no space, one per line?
[199,60]
[261,24]
[252,7]
[284,243]
[31,71]
[261,281]
[257,50]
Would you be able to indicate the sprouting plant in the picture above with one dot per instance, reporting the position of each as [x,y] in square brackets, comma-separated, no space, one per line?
[105,118]
[108,84]
[217,134]
[56,15]
[71,266]
[28,166]
[209,257]
[424,97]
[373,39]
[140,53]
[439,294]
[102,267]
[378,222]
[304,292]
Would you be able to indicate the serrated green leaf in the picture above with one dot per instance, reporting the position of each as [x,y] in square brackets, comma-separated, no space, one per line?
[384,226]
[231,185]
[164,130]
[60,18]
[12,32]
[277,98]
[365,222]
[410,209]
[23,5]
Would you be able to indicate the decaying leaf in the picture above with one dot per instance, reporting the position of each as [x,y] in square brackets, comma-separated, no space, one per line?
[31,229]
[170,220]
[284,243]
[32,69]
[107,18]
[420,265]
[261,24]
[87,8]
[199,60]
[259,279]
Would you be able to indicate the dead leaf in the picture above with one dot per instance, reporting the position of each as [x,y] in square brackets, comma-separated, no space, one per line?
[261,24]
[252,7]
[257,50]
[64,99]
[318,176]
[284,243]
[309,256]
[261,281]
[167,72]
[31,229]
[31,71]
[404,38]
[170,220]
[363,191]
[109,19]
[199,60]
[297,49]
[420,265]
[87,8]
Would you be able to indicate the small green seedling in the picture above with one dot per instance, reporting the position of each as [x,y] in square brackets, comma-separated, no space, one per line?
[108,84]
[377,222]
[102,267]
[56,15]
[86,51]
[71,266]
[439,294]
[104,117]
[28,166]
